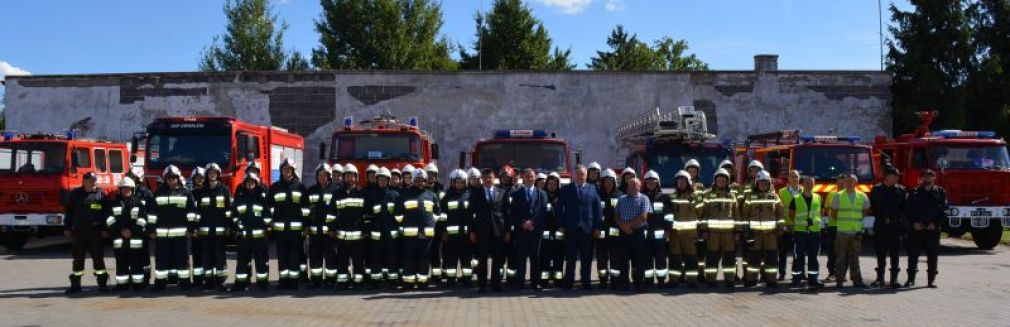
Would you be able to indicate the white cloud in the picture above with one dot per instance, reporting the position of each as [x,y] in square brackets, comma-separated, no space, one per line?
[568,7]
[7,69]
[283,2]
[614,5]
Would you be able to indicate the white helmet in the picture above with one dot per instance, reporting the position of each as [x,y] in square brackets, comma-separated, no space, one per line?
[554,175]
[198,171]
[723,172]
[395,171]
[213,166]
[726,163]
[652,174]
[408,169]
[431,168]
[171,170]
[337,169]
[127,183]
[418,173]
[324,167]
[541,176]
[350,169]
[457,173]
[595,165]
[384,172]
[288,162]
[692,163]
[372,169]
[609,173]
[474,172]
[254,165]
[628,170]
[252,176]
[764,176]
[684,174]
[755,163]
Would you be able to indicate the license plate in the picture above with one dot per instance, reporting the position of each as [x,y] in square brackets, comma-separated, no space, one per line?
[20,221]
[973,212]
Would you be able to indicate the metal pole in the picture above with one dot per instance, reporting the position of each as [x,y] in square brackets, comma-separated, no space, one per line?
[880,31]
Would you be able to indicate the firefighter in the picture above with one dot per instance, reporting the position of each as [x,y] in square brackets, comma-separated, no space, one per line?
[408,178]
[419,207]
[626,175]
[350,230]
[174,213]
[127,221]
[763,211]
[395,179]
[370,172]
[84,223]
[145,194]
[831,233]
[593,173]
[337,176]
[720,230]
[473,178]
[540,181]
[887,201]
[385,233]
[694,169]
[848,208]
[786,242]
[553,247]
[753,168]
[251,220]
[927,208]
[804,221]
[322,217]
[433,184]
[197,179]
[214,209]
[506,179]
[657,242]
[436,245]
[606,241]
[683,214]
[454,241]
[289,211]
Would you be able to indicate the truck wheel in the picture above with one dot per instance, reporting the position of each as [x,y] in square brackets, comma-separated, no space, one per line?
[987,238]
[14,241]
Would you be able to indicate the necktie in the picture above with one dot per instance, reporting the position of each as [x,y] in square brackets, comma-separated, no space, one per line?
[490,195]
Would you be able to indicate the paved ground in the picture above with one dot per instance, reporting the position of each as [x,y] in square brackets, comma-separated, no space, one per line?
[974,291]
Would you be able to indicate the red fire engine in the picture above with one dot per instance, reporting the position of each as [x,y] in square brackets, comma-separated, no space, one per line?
[37,173]
[820,156]
[524,148]
[972,166]
[190,142]
[383,141]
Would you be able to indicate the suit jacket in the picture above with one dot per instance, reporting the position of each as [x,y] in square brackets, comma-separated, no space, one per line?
[490,219]
[525,207]
[580,212]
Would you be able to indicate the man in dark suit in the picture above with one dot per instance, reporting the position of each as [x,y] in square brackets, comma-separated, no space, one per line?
[489,229]
[528,212]
[581,214]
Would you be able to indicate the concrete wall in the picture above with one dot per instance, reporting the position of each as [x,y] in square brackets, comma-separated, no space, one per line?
[459,108]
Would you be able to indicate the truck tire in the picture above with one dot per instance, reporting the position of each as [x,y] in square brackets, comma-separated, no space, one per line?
[987,238]
[14,241]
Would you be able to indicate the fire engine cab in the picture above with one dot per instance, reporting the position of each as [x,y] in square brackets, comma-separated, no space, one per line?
[665,141]
[972,166]
[525,148]
[37,173]
[822,156]
[383,141]
[190,142]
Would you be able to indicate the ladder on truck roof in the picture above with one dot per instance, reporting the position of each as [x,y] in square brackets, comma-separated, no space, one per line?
[684,124]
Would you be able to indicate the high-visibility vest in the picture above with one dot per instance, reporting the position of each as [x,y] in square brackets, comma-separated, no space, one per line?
[804,212]
[850,213]
[786,197]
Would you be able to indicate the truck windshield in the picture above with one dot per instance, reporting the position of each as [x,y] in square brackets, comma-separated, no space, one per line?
[826,163]
[969,157]
[542,156]
[188,151]
[33,158]
[667,160]
[374,146]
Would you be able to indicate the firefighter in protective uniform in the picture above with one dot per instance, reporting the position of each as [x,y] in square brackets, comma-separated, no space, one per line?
[197,179]
[84,224]
[251,221]
[435,187]
[385,232]
[606,241]
[552,249]
[173,215]
[454,240]
[593,173]
[214,210]
[720,226]
[762,210]
[322,218]
[289,211]
[126,222]
[693,168]
[658,243]
[419,207]
[350,230]
[683,213]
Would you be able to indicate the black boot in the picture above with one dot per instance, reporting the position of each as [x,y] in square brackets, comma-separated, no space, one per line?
[894,279]
[75,285]
[263,284]
[931,279]
[197,281]
[159,285]
[103,282]
[911,278]
[315,283]
[879,282]
[122,286]
[137,287]
[239,286]
[185,284]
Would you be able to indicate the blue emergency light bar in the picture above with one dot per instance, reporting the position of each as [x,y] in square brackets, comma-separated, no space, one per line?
[412,121]
[959,134]
[348,121]
[72,134]
[520,134]
[8,135]
[828,139]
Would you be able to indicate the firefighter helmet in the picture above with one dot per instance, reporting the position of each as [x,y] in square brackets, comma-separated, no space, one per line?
[595,165]
[554,175]
[324,167]
[408,170]
[764,176]
[431,168]
[628,170]
[457,173]
[127,183]
[419,173]
[726,163]
[251,176]
[692,164]
[609,173]
[198,171]
[541,176]
[757,164]
[213,167]
[722,172]
[350,169]
[171,171]
[372,169]
[474,172]
[337,169]
[395,171]
[384,172]
[652,174]
[685,175]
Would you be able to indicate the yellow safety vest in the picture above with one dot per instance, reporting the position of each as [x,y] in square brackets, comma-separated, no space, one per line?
[850,213]
[804,213]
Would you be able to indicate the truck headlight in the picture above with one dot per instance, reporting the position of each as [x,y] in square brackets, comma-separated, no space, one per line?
[54,220]
[1006,212]
[953,212]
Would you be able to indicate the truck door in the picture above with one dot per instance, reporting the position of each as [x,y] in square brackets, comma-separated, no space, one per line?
[117,165]
[80,163]
[102,168]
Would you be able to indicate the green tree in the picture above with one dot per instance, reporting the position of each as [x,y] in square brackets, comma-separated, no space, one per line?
[931,56]
[627,53]
[253,40]
[382,34]
[510,37]
[988,102]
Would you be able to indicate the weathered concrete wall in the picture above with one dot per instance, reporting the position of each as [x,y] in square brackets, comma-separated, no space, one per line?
[459,108]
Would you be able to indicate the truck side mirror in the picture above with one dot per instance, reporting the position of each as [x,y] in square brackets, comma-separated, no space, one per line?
[434,151]
[322,151]
[462,159]
[578,157]
[134,141]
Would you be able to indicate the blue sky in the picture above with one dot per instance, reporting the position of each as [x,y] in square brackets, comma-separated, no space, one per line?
[72,37]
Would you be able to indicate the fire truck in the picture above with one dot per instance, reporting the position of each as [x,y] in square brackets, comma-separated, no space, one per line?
[524,148]
[190,142]
[37,173]
[972,166]
[383,141]
[665,141]
[822,156]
